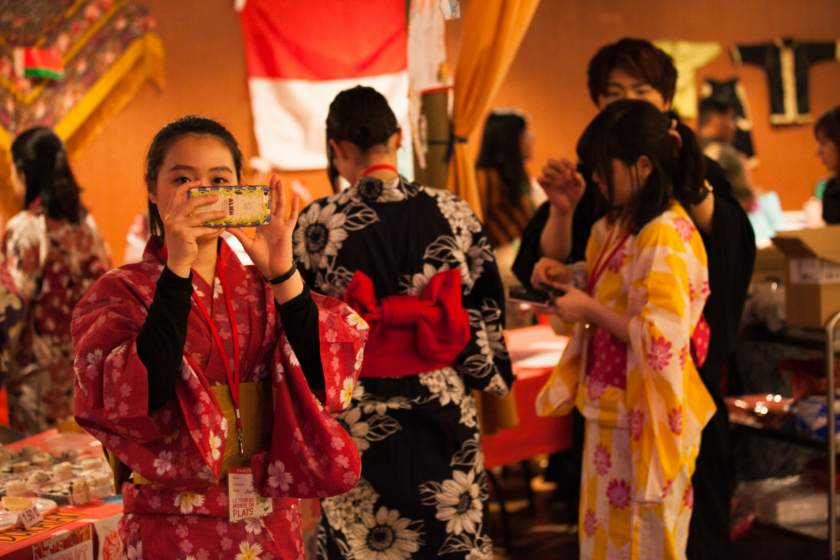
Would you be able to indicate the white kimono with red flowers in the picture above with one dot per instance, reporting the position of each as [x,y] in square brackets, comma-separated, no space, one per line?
[183,511]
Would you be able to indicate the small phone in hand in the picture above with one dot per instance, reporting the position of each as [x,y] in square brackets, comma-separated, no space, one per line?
[530,296]
[246,205]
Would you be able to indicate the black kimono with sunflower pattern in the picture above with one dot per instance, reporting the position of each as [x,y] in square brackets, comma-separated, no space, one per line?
[423,491]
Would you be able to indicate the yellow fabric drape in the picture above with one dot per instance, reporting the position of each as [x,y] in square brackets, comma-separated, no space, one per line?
[493,30]
[143,60]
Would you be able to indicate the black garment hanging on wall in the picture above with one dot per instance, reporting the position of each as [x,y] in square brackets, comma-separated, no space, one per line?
[735,94]
[786,62]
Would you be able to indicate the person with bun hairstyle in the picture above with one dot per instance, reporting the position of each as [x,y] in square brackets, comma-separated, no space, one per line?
[54,253]
[634,313]
[418,266]
[190,364]
[827,132]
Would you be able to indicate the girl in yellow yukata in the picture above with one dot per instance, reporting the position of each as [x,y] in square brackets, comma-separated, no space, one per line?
[634,313]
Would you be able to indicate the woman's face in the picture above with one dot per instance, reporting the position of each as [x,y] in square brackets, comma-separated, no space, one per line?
[18,183]
[622,85]
[526,144]
[828,153]
[622,182]
[193,158]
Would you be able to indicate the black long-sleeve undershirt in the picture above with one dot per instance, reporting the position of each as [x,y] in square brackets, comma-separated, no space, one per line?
[160,343]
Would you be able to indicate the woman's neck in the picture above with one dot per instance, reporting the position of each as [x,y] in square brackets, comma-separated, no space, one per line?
[205,262]
[373,160]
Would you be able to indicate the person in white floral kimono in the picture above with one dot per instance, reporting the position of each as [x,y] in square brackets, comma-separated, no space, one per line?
[418,266]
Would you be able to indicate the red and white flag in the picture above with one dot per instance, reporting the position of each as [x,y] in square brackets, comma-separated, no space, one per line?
[302,53]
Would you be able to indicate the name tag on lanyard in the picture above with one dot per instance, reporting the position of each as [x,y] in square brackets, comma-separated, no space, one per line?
[243,500]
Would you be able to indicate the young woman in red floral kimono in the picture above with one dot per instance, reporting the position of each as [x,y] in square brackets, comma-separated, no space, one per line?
[54,253]
[172,349]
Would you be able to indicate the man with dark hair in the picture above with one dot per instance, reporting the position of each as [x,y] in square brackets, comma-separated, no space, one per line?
[560,229]
[716,130]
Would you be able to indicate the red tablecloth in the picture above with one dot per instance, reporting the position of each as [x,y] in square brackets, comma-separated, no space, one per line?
[534,435]
[103,516]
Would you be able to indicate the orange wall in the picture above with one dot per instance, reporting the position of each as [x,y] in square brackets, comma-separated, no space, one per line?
[206,75]
[548,77]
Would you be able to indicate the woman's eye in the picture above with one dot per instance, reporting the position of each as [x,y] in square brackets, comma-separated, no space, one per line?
[220,181]
[182,180]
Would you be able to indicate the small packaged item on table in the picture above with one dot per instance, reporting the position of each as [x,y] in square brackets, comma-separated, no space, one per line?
[16,487]
[43,460]
[62,471]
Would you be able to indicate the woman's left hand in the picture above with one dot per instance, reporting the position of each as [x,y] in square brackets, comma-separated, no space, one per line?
[575,306]
[271,248]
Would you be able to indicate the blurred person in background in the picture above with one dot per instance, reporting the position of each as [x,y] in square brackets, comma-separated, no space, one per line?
[54,253]
[505,189]
[716,129]
[827,132]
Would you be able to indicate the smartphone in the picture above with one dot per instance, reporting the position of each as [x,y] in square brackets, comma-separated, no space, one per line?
[531,296]
[246,205]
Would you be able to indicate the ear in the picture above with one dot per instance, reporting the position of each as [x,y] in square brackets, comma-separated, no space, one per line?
[399,136]
[644,167]
[676,142]
[339,150]
[151,191]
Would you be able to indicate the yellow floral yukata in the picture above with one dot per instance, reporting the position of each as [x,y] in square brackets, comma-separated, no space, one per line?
[644,402]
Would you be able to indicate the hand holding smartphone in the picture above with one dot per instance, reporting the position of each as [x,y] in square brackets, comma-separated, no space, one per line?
[532,296]
[246,205]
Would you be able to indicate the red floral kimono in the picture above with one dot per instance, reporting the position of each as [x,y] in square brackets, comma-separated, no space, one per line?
[183,511]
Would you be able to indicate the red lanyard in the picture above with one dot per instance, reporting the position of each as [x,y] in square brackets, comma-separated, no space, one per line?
[601,263]
[233,378]
[380,166]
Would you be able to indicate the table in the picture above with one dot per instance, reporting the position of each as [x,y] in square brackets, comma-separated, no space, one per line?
[103,516]
[530,348]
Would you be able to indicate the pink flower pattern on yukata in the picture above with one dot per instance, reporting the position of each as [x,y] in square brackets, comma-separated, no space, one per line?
[590,522]
[618,493]
[602,460]
[617,260]
[684,228]
[683,354]
[667,489]
[688,497]
[675,420]
[636,421]
[659,353]
[277,476]
[596,388]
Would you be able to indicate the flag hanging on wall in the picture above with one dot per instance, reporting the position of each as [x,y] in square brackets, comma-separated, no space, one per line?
[302,53]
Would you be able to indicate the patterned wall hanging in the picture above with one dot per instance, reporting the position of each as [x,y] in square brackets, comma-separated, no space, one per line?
[70,65]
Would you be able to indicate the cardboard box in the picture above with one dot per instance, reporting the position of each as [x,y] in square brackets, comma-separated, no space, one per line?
[812,275]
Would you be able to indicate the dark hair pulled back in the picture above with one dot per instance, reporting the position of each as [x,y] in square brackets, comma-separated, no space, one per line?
[629,129]
[40,156]
[362,116]
[166,137]
[829,125]
[501,150]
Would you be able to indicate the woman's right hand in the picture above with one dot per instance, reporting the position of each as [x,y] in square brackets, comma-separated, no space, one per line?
[553,273]
[563,185]
[183,231]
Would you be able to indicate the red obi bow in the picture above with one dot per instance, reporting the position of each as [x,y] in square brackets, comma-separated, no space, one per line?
[411,334]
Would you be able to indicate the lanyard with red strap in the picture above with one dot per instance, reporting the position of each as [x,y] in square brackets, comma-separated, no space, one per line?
[233,378]
[601,263]
[376,167]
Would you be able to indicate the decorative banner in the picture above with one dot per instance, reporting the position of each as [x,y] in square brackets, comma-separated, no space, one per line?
[107,50]
[302,54]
